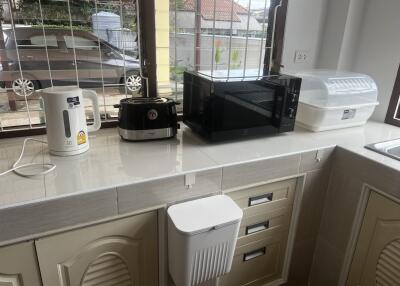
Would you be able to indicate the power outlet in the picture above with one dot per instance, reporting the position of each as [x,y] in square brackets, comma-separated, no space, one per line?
[300,56]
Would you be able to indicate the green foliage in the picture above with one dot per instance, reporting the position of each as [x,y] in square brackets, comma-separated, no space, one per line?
[177,72]
[65,27]
[179,4]
[235,59]
[217,56]
[81,12]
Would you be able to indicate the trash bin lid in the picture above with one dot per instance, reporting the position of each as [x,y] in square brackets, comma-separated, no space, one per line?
[201,215]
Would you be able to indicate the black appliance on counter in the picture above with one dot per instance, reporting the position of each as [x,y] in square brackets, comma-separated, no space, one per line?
[220,108]
[147,118]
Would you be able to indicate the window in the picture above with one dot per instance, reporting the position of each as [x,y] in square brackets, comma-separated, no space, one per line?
[44,43]
[93,44]
[50,41]
[80,43]
[214,36]
[393,113]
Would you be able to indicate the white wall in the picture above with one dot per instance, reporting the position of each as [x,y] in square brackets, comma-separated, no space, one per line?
[304,23]
[319,26]
[379,48]
[332,33]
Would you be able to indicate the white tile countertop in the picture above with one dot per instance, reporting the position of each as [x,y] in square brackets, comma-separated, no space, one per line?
[112,163]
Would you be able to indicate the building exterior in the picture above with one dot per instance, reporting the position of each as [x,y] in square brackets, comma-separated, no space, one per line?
[224,14]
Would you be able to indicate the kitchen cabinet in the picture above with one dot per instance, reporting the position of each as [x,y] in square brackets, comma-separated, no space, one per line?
[120,252]
[18,265]
[263,235]
[376,260]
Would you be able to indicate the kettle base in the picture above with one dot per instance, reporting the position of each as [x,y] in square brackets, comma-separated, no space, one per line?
[69,152]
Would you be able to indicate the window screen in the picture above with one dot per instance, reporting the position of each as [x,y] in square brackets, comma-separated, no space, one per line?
[227,37]
[44,43]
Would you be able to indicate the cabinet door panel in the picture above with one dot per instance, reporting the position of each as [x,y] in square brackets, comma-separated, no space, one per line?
[10,280]
[377,255]
[122,252]
[18,265]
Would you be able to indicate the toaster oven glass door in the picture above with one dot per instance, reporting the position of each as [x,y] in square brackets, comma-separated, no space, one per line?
[241,105]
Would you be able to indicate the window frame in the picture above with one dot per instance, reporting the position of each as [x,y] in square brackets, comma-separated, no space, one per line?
[274,63]
[147,46]
[394,103]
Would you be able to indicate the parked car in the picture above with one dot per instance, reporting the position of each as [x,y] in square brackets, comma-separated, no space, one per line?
[42,61]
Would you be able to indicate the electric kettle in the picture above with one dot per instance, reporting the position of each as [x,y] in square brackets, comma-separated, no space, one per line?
[67,130]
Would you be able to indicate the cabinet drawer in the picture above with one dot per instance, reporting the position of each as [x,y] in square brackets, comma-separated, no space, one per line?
[257,262]
[260,225]
[266,197]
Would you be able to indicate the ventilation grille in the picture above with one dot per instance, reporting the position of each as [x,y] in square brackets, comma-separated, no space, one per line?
[388,267]
[351,84]
[210,263]
[107,270]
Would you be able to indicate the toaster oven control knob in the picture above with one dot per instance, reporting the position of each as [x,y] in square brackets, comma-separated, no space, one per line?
[152,114]
[292,97]
[291,112]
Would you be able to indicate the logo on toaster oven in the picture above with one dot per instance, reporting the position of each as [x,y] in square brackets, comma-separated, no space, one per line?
[152,114]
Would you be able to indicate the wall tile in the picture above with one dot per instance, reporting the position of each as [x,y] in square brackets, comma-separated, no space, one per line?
[250,173]
[167,191]
[312,204]
[369,171]
[300,266]
[340,208]
[35,218]
[309,160]
[327,265]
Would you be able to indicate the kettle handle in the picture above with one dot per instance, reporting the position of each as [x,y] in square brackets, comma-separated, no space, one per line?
[92,95]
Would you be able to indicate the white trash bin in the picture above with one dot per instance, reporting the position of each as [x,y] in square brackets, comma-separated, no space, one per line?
[202,237]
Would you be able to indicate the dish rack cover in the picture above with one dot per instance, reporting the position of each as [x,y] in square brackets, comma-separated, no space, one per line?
[331,99]
[202,237]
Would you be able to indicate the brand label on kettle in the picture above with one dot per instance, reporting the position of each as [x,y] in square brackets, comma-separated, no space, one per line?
[81,138]
[152,114]
[73,101]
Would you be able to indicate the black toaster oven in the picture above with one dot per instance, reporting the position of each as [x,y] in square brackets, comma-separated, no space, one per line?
[221,108]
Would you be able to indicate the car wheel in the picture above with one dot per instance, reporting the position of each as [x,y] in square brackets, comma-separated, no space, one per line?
[133,82]
[23,87]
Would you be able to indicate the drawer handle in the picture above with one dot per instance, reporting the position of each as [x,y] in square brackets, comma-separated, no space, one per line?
[254,254]
[257,227]
[253,201]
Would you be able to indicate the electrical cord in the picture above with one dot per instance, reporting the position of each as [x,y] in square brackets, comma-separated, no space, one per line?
[48,167]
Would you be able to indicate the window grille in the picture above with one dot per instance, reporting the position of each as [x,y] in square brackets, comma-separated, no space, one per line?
[211,35]
[44,43]
[233,36]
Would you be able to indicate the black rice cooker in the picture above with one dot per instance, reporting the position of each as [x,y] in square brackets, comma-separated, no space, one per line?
[147,118]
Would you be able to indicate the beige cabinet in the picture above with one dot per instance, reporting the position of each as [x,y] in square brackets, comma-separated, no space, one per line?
[376,259]
[121,252]
[18,265]
[263,235]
